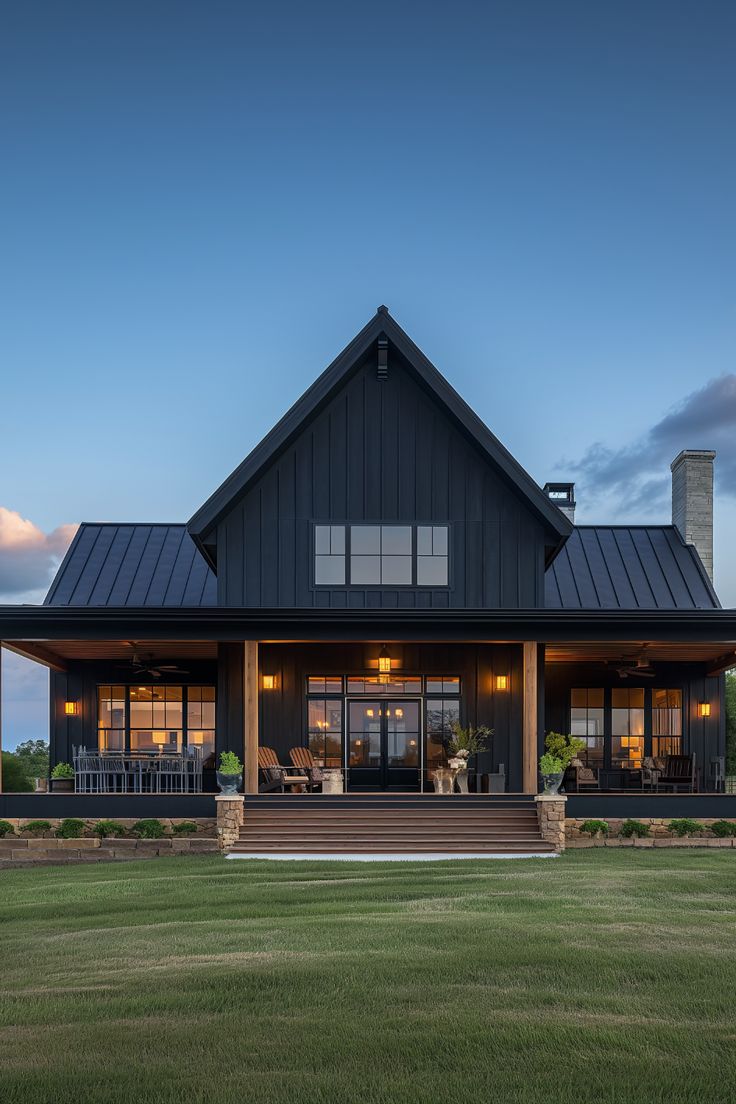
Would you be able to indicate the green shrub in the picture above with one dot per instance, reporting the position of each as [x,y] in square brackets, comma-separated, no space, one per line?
[70,828]
[723,828]
[6,828]
[15,777]
[185,828]
[148,829]
[106,828]
[595,826]
[229,763]
[631,828]
[37,826]
[685,826]
[63,770]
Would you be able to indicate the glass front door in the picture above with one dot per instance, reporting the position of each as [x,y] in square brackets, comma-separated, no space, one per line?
[384,742]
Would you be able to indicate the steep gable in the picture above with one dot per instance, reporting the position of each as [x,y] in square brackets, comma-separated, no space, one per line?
[381,437]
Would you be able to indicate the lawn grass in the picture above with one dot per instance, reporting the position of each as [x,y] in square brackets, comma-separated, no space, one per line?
[601,976]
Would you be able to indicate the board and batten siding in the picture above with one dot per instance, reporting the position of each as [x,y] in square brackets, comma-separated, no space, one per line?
[381,451]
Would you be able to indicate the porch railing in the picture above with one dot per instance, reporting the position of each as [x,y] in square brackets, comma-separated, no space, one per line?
[137,772]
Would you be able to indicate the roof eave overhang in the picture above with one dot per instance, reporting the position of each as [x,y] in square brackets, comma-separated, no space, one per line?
[45,623]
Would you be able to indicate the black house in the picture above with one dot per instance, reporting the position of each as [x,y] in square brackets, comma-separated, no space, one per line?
[378,568]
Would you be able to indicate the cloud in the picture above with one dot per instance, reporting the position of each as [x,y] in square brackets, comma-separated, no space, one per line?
[637,477]
[28,556]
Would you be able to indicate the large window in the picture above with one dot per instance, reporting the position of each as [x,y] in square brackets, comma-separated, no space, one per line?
[381,555]
[324,730]
[666,722]
[440,715]
[627,727]
[586,722]
[160,718]
[111,718]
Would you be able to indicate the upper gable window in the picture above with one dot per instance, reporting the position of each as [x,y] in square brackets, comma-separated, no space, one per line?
[381,555]
[329,555]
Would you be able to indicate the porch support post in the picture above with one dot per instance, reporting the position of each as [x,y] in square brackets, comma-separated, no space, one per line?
[250,715]
[530,724]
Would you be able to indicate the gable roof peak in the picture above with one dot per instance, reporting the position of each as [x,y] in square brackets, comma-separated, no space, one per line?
[206,518]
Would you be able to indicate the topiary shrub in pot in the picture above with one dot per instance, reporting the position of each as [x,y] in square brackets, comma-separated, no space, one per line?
[62,778]
[634,828]
[561,750]
[70,828]
[595,828]
[230,773]
[685,826]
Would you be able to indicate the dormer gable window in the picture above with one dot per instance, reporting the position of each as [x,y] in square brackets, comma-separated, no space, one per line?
[392,555]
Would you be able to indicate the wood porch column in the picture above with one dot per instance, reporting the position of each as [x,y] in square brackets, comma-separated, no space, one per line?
[530,719]
[250,716]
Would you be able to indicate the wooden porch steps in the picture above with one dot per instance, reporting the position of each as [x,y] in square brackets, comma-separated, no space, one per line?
[418,824]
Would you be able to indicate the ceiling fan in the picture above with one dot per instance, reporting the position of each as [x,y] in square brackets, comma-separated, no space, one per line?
[640,667]
[143,664]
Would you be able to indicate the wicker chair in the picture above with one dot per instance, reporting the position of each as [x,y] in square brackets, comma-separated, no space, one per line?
[274,776]
[586,778]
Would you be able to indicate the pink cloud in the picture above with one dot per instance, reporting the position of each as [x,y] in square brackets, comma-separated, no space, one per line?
[28,556]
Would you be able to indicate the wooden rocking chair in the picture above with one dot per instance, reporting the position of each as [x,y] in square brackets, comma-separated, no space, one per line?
[276,777]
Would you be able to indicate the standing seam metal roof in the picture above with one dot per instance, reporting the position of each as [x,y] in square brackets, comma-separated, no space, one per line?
[599,567]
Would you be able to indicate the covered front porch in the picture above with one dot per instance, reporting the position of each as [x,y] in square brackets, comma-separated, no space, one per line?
[378,712]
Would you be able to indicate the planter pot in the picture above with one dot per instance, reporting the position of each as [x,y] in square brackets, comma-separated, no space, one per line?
[552,782]
[442,780]
[229,783]
[62,785]
[461,778]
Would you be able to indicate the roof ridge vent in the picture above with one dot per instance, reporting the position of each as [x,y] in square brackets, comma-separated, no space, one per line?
[382,369]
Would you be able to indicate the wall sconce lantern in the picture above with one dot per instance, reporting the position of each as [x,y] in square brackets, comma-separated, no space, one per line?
[704,709]
[269,682]
[71,709]
[384,662]
[502,682]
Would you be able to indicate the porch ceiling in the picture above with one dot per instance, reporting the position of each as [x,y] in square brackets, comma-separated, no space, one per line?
[45,651]
[662,652]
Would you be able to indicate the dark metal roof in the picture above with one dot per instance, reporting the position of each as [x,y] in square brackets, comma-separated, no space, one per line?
[133,565]
[620,567]
[381,325]
[628,567]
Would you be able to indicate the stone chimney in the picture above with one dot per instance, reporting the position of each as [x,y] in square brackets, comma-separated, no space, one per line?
[692,501]
[563,496]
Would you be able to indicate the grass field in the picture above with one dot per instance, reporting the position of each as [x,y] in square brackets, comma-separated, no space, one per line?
[601,976]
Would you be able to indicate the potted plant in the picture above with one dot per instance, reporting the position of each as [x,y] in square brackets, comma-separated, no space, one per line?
[230,773]
[552,770]
[62,778]
[561,750]
[465,743]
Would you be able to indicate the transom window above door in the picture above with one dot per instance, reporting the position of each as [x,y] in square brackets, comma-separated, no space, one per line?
[381,555]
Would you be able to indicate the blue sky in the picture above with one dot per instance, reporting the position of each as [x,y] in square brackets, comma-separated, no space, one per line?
[206,200]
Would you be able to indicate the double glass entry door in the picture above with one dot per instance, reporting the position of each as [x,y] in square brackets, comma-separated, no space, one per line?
[384,744]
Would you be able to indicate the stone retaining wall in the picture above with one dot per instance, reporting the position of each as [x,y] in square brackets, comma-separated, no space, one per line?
[25,848]
[660,835]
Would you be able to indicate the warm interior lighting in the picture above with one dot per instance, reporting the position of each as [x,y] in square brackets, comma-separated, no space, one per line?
[704,709]
[71,709]
[269,682]
[502,682]
[369,712]
[384,662]
[399,713]
[159,737]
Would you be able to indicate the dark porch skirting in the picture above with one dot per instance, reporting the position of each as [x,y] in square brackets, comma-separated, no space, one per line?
[613,806]
[110,806]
